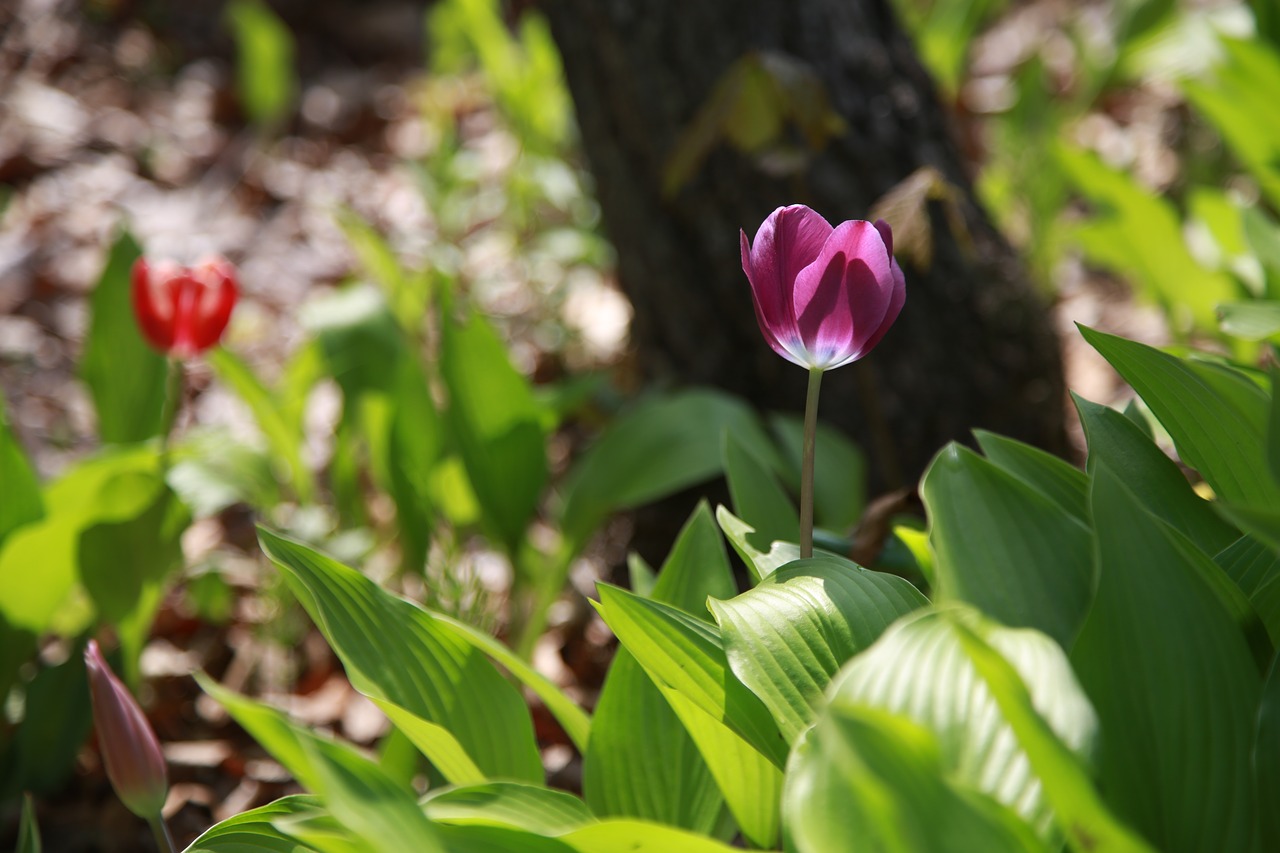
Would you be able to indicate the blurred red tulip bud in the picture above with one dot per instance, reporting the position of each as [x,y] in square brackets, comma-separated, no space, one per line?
[135,763]
[824,296]
[182,311]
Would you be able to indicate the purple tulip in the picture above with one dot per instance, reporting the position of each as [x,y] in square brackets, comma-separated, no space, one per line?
[824,296]
[135,764]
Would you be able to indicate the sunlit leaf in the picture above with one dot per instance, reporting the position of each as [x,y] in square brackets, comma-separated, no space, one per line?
[264,47]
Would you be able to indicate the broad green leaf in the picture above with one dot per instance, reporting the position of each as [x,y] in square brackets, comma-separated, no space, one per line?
[1006,547]
[1217,416]
[321,832]
[839,474]
[1064,484]
[920,669]
[1255,320]
[355,790]
[1172,681]
[284,436]
[264,70]
[478,838]
[497,425]
[639,836]
[394,651]
[659,447]
[750,782]
[861,773]
[1249,563]
[1079,809]
[254,830]
[76,501]
[1140,234]
[742,537]
[758,497]
[56,719]
[1155,478]
[1266,760]
[789,636]
[641,762]
[22,503]
[1261,522]
[126,378]
[511,804]
[576,723]
[686,654]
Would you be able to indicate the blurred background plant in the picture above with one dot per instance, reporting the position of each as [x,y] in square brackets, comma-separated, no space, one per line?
[431,334]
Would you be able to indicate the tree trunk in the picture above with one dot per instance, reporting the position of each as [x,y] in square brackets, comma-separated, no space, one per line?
[974,346]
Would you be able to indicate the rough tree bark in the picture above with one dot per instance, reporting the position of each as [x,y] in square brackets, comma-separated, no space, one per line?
[974,346]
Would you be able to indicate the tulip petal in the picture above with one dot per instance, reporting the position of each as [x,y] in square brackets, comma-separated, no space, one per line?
[787,242]
[841,299]
[896,300]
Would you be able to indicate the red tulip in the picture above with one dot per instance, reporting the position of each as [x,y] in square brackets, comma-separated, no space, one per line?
[135,763]
[824,296]
[183,311]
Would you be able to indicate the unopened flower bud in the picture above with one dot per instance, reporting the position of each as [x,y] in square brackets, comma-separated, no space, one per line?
[130,750]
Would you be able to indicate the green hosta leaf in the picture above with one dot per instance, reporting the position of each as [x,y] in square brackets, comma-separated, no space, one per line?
[1217,416]
[1266,760]
[396,652]
[750,782]
[509,804]
[126,378]
[638,836]
[577,725]
[1067,786]
[659,447]
[1249,563]
[838,476]
[641,762]
[921,669]
[22,503]
[42,749]
[742,537]
[1064,484]
[685,659]
[356,791]
[864,774]
[254,830]
[477,838]
[1157,481]
[1172,681]
[758,497]
[1005,546]
[497,425]
[1261,522]
[786,638]
[688,655]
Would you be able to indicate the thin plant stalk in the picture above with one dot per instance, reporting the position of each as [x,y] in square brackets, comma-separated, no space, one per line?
[806,463]
[172,403]
[164,841]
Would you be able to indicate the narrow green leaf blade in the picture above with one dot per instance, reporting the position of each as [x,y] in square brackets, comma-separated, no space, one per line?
[254,830]
[22,503]
[758,497]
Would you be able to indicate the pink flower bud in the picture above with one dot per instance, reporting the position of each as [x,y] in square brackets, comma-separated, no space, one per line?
[182,311]
[135,764]
[824,296]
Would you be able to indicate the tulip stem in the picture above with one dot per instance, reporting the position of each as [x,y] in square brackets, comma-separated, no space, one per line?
[172,402]
[806,463]
[164,841]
